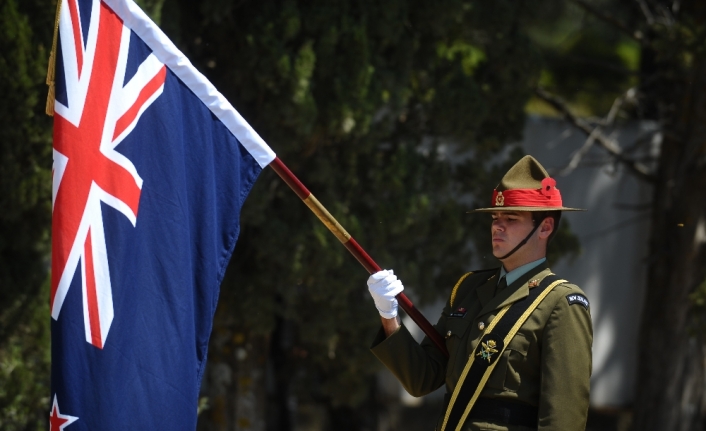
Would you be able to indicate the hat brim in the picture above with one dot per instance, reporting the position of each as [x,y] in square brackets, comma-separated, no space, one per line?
[494,209]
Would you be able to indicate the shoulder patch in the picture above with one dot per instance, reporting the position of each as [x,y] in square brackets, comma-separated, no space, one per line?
[577,298]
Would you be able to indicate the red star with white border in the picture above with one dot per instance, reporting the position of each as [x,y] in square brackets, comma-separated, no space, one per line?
[57,421]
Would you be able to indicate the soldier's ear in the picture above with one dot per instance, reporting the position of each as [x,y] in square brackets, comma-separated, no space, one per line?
[546,227]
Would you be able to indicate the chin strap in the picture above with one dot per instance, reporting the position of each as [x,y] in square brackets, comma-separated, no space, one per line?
[523,242]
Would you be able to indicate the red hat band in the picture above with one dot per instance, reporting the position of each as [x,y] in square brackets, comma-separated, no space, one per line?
[548,196]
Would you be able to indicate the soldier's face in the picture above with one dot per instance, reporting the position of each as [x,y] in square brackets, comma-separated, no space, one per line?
[509,229]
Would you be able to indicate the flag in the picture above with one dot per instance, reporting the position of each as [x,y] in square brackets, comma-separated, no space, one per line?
[151,168]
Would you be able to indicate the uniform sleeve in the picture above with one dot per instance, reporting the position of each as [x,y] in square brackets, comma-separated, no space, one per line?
[421,368]
[566,366]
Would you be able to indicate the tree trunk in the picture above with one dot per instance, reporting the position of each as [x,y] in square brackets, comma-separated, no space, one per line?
[280,411]
[671,371]
[235,382]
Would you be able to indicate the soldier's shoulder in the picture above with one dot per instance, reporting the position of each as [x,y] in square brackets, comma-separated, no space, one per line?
[571,294]
[477,277]
[471,280]
[485,274]
[568,287]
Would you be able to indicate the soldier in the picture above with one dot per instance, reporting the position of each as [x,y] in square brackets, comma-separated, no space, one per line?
[519,338]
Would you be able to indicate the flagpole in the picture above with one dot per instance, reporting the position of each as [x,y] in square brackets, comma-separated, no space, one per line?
[354,248]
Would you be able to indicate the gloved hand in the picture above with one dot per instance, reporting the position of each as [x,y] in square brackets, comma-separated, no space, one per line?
[383,287]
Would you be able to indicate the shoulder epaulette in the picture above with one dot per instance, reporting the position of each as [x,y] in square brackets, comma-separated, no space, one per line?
[463,277]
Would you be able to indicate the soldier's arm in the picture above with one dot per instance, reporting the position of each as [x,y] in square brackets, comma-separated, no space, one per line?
[389,326]
[566,364]
[421,368]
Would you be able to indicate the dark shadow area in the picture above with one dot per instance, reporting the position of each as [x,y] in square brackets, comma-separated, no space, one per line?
[424,418]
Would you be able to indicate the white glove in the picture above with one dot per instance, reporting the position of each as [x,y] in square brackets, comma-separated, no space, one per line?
[383,287]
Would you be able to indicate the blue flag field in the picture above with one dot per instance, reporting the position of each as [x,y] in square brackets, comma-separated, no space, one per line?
[151,168]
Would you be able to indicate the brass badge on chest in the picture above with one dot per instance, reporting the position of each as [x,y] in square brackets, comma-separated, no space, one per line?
[488,348]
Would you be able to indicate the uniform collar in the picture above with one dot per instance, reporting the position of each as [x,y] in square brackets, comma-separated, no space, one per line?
[516,273]
[515,291]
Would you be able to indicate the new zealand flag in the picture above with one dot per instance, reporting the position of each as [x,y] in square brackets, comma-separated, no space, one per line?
[151,168]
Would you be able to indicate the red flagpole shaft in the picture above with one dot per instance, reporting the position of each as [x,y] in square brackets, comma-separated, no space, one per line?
[354,248]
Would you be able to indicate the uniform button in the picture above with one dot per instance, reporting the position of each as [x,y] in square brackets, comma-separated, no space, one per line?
[448,334]
[481,326]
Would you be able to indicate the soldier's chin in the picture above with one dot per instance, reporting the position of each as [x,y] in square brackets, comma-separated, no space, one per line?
[498,253]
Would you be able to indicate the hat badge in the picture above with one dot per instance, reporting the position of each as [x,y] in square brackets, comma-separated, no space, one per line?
[499,200]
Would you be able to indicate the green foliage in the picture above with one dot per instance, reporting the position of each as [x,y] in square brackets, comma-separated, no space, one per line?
[153,8]
[25,172]
[587,61]
[25,178]
[24,370]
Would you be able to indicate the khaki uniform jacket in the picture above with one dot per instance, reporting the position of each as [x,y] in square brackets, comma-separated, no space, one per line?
[547,364]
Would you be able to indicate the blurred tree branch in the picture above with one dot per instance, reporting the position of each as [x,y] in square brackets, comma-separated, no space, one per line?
[608,18]
[646,12]
[595,134]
